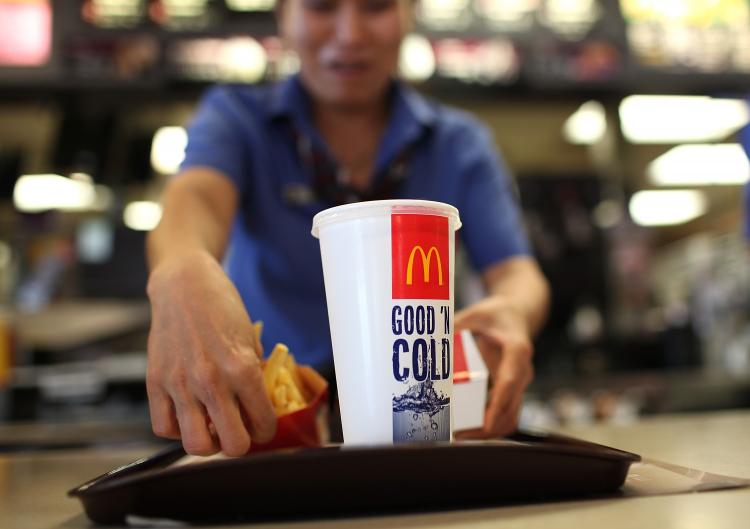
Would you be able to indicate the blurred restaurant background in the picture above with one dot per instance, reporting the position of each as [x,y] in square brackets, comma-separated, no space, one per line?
[621,120]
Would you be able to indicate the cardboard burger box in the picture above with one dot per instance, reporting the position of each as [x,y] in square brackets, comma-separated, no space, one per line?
[469,383]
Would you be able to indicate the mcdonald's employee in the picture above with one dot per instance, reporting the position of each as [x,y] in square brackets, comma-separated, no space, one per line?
[234,240]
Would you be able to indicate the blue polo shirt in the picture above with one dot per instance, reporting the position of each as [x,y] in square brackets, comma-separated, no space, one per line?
[244,132]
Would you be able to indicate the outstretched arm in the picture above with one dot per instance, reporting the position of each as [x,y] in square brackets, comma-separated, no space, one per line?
[204,378]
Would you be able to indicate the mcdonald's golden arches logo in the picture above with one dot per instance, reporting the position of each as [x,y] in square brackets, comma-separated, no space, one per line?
[426,259]
[419,257]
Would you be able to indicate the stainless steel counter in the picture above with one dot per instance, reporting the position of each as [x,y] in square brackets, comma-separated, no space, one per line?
[33,485]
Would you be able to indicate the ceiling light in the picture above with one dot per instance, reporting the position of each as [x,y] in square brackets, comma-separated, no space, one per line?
[666,208]
[42,192]
[168,149]
[587,125]
[242,59]
[417,60]
[142,215]
[680,119]
[696,165]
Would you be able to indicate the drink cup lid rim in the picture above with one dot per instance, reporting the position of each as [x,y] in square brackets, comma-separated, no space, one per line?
[374,208]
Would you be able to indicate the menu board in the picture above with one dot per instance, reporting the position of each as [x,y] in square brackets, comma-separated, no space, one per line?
[173,15]
[114,14]
[693,35]
[565,18]
[539,44]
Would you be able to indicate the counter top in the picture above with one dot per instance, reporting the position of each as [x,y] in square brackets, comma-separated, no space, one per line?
[33,486]
[68,324]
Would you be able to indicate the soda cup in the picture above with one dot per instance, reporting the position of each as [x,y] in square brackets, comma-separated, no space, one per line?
[388,270]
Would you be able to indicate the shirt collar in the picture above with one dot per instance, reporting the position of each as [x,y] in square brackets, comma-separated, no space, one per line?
[411,115]
[289,99]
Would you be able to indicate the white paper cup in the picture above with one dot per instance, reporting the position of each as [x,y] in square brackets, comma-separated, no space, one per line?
[388,270]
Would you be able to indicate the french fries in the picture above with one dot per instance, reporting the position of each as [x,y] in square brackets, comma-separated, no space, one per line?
[281,378]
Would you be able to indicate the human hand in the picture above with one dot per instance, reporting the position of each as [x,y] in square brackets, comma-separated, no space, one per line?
[204,379]
[504,340]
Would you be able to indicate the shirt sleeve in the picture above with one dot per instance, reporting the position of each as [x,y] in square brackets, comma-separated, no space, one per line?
[215,137]
[492,229]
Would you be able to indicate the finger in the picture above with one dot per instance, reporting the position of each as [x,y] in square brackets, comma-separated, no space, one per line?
[468,435]
[228,428]
[504,396]
[196,439]
[513,415]
[506,424]
[256,406]
[163,419]
[508,421]
[491,353]
[510,383]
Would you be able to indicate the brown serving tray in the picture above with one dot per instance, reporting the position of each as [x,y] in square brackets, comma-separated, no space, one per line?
[333,480]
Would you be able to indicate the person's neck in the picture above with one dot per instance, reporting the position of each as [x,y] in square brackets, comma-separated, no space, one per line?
[353,134]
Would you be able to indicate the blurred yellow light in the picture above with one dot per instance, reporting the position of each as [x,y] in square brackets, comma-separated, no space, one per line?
[417,60]
[672,9]
[185,8]
[116,13]
[444,14]
[587,125]
[562,12]
[666,208]
[722,164]
[42,192]
[142,215]
[680,119]
[168,149]
[242,59]
[507,12]
[251,5]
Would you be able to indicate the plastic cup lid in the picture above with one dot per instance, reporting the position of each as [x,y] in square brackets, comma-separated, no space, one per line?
[377,208]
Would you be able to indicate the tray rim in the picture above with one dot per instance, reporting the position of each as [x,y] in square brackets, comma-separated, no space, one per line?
[156,464]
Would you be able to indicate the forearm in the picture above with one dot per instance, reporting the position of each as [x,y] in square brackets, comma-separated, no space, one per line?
[196,219]
[519,284]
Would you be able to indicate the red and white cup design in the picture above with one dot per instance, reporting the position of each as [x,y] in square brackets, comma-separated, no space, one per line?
[388,269]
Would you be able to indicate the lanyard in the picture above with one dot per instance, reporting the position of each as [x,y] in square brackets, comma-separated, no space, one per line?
[328,184]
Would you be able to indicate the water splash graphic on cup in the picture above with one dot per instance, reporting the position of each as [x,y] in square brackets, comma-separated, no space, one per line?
[421,414]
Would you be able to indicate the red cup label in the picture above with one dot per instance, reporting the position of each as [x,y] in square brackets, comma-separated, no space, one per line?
[419,257]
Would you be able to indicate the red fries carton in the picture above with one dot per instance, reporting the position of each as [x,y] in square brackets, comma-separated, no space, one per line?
[307,426]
